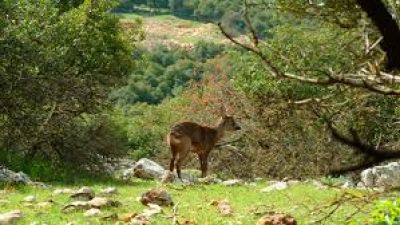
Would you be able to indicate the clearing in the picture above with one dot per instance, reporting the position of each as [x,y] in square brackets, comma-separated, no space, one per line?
[174,32]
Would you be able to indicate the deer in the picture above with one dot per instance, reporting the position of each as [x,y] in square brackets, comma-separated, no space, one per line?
[188,137]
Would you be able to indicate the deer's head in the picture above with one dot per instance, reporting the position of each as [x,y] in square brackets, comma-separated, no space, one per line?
[229,123]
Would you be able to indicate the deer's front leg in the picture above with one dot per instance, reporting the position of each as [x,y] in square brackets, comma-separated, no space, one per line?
[203,164]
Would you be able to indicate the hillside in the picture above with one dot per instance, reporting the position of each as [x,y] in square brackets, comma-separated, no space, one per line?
[172,31]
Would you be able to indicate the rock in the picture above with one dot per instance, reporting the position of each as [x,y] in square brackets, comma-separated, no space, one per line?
[360,185]
[119,165]
[209,180]
[292,182]
[75,206]
[152,210]
[63,191]
[348,184]
[83,194]
[39,185]
[223,207]
[140,220]
[277,219]
[387,176]
[92,212]
[187,222]
[251,184]
[278,185]
[126,217]
[124,164]
[147,169]
[156,196]
[109,191]
[97,202]
[10,218]
[100,202]
[319,185]
[45,205]
[168,177]
[29,199]
[233,182]
[127,174]
[9,176]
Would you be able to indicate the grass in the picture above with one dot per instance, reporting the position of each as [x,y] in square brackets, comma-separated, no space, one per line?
[170,30]
[193,203]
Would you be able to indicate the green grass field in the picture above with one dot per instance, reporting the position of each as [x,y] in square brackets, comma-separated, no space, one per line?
[173,31]
[193,203]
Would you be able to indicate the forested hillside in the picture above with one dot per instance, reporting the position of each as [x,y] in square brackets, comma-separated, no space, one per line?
[314,86]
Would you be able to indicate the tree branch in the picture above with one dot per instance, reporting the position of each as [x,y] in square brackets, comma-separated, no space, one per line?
[372,154]
[369,81]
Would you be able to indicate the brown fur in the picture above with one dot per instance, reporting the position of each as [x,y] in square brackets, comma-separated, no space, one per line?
[188,137]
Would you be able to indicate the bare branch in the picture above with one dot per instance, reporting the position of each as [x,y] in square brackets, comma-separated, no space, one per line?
[249,24]
[308,100]
[373,154]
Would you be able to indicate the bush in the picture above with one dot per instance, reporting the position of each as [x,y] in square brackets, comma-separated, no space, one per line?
[67,64]
[146,126]
[386,213]
[82,147]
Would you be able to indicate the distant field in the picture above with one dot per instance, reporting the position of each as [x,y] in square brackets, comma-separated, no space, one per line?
[176,32]
[248,203]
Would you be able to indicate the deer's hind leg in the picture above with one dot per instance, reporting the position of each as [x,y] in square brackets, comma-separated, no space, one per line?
[181,157]
[173,159]
[183,152]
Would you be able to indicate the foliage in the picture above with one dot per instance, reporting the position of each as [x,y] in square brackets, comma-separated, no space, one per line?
[146,125]
[295,49]
[55,71]
[386,213]
[317,49]
[65,5]
[164,72]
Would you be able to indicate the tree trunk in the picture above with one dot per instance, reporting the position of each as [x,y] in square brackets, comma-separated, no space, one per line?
[381,17]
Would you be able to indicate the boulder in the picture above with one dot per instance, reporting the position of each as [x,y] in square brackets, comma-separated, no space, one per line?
[83,194]
[156,196]
[277,219]
[30,199]
[10,218]
[387,176]
[348,184]
[209,180]
[223,206]
[233,182]
[92,212]
[100,202]
[148,169]
[9,176]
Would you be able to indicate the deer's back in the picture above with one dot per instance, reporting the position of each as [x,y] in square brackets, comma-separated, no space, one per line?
[199,135]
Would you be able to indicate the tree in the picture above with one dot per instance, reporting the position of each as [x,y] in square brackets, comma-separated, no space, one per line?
[56,71]
[367,123]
